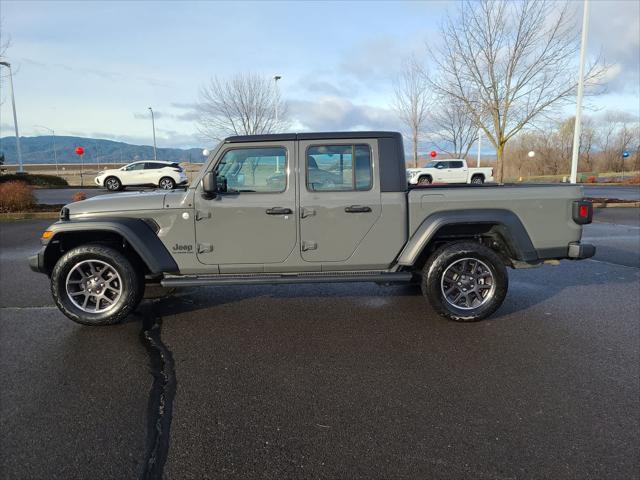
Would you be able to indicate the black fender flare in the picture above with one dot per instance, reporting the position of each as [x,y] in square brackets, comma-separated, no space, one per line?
[511,229]
[136,231]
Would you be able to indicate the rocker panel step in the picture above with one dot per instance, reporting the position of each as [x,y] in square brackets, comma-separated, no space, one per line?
[270,278]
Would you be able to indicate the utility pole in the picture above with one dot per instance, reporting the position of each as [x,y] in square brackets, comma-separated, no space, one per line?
[153,123]
[15,117]
[577,129]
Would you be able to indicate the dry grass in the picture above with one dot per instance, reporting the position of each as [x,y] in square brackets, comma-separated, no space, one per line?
[16,197]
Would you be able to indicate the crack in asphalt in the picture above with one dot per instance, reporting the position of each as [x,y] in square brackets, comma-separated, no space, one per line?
[161,395]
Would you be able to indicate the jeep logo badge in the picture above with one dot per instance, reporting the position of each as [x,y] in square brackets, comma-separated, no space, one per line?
[177,248]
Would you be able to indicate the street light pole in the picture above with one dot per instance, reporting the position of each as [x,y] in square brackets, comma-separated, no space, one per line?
[15,117]
[577,128]
[55,155]
[153,123]
[479,145]
[275,80]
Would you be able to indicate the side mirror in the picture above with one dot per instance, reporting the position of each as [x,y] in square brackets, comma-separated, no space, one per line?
[209,185]
[212,184]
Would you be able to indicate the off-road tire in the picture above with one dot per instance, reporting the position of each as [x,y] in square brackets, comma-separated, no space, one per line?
[132,284]
[113,184]
[477,179]
[166,183]
[448,255]
[424,180]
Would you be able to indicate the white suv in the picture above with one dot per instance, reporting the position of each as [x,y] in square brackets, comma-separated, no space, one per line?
[164,175]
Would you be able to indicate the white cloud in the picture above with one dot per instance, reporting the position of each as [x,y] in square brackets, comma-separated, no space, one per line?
[335,113]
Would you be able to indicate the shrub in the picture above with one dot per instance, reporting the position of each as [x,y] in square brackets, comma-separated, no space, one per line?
[38,180]
[633,180]
[16,197]
[592,179]
[78,197]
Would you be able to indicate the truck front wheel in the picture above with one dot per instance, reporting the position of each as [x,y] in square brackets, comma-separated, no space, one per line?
[96,285]
[424,180]
[465,281]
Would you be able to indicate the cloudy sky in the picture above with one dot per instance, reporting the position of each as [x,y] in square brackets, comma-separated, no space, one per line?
[93,68]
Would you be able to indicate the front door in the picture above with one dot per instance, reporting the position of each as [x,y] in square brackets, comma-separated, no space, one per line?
[339,197]
[254,222]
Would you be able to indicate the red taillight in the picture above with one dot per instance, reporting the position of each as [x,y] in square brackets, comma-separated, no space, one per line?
[583,211]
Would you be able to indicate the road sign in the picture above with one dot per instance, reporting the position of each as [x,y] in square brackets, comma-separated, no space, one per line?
[625,154]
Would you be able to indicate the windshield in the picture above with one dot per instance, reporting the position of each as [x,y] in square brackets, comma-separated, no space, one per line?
[430,165]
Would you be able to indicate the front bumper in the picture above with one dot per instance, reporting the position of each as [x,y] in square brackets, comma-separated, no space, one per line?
[580,251]
[36,261]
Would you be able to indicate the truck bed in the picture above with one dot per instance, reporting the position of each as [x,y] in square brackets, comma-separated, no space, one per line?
[545,210]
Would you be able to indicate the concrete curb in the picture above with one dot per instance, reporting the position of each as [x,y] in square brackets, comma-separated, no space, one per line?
[616,205]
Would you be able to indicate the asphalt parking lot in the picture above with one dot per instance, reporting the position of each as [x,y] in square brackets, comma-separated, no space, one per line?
[330,381]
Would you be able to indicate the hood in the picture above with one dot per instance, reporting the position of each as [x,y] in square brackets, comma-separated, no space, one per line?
[119,202]
[109,171]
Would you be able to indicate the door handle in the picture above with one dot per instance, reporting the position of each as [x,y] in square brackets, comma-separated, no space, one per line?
[357,209]
[279,211]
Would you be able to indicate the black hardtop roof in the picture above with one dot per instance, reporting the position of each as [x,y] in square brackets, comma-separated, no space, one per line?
[274,137]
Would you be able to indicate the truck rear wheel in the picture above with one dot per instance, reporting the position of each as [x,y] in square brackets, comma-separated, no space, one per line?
[96,285]
[477,179]
[465,281]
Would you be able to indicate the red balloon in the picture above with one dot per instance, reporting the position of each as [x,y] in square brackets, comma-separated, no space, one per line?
[433,154]
[79,151]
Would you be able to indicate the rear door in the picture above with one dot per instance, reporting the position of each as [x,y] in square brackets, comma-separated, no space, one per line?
[254,222]
[339,197]
[457,171]
[152,172]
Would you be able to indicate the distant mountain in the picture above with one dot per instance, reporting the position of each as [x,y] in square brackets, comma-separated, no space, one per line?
[40,150]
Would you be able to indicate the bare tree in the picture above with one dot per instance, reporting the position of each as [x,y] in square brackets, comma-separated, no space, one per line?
[587,139]
[411,102]
[244,104]
[615,135]
[508,62]
[453,129]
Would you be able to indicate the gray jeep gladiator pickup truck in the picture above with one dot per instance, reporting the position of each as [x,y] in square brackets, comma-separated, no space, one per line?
[311,207]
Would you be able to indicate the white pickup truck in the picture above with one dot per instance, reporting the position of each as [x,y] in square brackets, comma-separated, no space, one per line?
[449,171]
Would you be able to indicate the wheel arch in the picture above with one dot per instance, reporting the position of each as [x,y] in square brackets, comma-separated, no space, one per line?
[136,238]
[113,176]
[503,226]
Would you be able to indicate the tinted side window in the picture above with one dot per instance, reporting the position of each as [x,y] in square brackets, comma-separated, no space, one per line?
[331,168]
[153,166]
[455,164]
[257,170]
[135,166]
